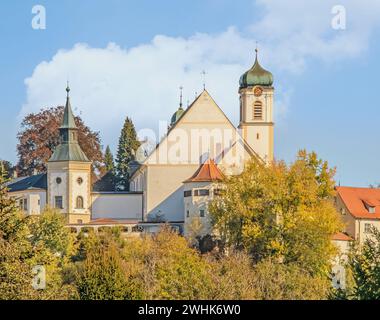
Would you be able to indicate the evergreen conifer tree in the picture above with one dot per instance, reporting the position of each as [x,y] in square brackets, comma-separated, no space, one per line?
[108,160]
[128,144]
[8,222]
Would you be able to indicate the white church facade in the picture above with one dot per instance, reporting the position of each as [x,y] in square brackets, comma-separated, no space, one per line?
[174,180]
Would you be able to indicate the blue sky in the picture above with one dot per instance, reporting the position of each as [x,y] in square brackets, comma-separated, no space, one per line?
[129,58]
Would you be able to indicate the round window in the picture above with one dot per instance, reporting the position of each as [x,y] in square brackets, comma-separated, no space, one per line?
[58,180]
[80,180]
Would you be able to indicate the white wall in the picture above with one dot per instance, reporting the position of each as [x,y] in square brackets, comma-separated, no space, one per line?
[36,200]
[194,204]
[117,205]
[361,234]
[56,189]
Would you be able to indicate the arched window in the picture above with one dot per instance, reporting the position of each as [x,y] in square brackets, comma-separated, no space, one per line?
[79,202]
[258,111]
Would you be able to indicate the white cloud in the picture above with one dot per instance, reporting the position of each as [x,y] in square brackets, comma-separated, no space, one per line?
[295,30]
[142,82]
[111,83]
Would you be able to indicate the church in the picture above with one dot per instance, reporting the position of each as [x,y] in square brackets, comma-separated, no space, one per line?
[173,180]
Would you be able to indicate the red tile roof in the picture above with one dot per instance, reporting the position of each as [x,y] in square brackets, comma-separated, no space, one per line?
[356,200]
[111,221]
[340,236]
[207,172]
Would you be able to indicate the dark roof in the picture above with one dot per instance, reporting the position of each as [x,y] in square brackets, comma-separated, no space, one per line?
[68,116]
[133,167]
[69,152]
[38,181]
[107,183]
[68,149]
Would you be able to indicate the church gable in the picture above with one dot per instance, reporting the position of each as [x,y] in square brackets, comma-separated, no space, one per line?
[204,110]
[201,132]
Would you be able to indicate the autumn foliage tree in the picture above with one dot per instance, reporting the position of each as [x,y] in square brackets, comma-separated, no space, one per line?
[39,136]
[280,211]
[27,242]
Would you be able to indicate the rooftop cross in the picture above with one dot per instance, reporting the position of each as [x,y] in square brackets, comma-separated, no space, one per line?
[204,79]
[180,98]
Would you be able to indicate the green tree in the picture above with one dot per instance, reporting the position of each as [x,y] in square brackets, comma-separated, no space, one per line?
[232,276]
[175,266]
[128,144]
[15,273]
[12,223]
[108,160]
[49,230]
[364,268]
[103,275]
[277,281]
[166,268]
[8,168]
[26,243]
[281,211]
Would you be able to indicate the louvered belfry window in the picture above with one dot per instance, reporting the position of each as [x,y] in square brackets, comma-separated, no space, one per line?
[258,111]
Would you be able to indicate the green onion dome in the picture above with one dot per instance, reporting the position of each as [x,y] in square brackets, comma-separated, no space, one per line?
[256,76]
[178,114]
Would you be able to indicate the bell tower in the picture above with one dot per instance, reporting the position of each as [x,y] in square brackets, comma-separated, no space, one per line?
[69,173]
[256,110]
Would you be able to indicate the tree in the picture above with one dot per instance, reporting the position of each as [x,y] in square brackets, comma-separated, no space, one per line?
[39,136]
[26,243]
[128,144]
[166,268]
[364,268]
[103,274]
[15,274]
[233,276]
[281,211]
[108,160]
[49,229]
[277,281]
[238,278]
[8,168]
[12,223]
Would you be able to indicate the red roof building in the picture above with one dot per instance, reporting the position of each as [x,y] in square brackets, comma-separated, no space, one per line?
[362,203]
[359,209]
[207,172]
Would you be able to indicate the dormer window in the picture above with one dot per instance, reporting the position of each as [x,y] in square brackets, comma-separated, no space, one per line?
[370,206]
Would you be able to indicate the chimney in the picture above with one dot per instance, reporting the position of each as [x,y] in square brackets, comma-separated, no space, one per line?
[35,172]
[15,175]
